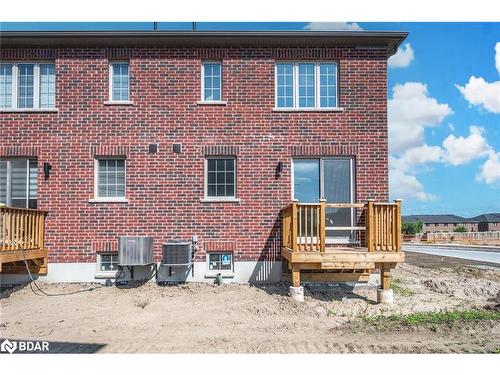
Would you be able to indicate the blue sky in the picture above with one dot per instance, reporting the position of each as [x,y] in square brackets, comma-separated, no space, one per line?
[444,125]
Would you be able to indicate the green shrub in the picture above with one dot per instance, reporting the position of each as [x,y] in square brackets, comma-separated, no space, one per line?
[460,229]
[412,228]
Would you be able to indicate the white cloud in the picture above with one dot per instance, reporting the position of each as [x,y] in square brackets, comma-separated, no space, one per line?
[411,110]
[497,57]
[490,171]
[406,186]
[481,93]
[461,150]
[416,156]
[332,26]
[402,58]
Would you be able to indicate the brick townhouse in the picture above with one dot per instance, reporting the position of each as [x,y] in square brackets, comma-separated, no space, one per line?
[193,133]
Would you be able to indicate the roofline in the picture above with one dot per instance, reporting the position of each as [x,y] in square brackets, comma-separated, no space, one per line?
[388,39]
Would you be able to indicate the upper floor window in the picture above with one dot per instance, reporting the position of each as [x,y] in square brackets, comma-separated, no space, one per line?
[27,85]
[211,81]
[119,77]
[306,85]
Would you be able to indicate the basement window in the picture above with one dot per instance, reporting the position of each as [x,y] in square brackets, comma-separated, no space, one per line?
[220,262]
[107,264]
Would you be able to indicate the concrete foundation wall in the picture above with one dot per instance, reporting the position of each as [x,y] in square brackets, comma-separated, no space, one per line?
[244,272]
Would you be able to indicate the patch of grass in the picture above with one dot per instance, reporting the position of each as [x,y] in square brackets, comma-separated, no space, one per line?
[439,317]
[397,288]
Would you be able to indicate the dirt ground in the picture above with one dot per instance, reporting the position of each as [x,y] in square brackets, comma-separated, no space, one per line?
[261,319]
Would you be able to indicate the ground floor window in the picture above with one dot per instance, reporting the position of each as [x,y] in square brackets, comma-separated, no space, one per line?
[332,179]
[220,262]
[18,182]
[220,178]
[107,263]
[110,178]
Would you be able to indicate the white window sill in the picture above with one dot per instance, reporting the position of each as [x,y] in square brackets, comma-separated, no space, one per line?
[124,102]
[277,109]
[108,200]
[212,102]
[224,274]
[220,200]
[29,110]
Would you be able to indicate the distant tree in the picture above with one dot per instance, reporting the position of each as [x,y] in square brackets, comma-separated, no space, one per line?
[460,229]
[412,228]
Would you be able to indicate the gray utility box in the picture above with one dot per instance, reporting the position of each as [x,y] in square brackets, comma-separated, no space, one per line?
[135,251]
[177,254]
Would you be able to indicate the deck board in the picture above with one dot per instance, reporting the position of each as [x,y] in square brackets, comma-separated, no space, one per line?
[342,255]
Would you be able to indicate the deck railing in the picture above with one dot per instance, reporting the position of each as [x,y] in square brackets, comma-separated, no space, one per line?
[305,225]
[21,229]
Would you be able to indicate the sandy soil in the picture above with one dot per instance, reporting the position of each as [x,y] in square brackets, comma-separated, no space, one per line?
[248,319]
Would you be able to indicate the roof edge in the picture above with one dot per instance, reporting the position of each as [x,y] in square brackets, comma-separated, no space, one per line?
[390,39]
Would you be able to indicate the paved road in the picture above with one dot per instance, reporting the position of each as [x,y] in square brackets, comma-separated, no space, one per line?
[463,252]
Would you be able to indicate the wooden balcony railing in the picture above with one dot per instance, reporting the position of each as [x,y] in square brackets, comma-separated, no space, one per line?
[21,229]
[305,226]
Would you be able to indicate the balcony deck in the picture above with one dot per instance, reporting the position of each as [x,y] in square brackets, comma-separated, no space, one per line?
[307,253]
[22,240]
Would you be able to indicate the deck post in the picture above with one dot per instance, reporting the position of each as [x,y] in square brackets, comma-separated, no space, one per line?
[295,275]
[296,291]
[385,276]
[322,225]
[398,228]
[294,224]
[370,229]
[385,294]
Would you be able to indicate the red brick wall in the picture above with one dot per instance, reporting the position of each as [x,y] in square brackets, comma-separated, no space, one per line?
[164,189]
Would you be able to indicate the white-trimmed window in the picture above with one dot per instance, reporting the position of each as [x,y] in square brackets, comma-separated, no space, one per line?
[306,85]
[107,264]
[211,81]
[110,178]
[220,262]
[220,178]
[18,182]
[27,85]
[119,81]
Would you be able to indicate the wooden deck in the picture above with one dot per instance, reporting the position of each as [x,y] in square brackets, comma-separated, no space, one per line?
[375,243]
[22,239]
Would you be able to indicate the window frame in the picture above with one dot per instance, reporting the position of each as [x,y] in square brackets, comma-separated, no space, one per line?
[321,159]
[232,198]
[36,85]
[217,271]
[8,180]
[317,87]
[98,198]
[203,99]
[110,80]
[105,274]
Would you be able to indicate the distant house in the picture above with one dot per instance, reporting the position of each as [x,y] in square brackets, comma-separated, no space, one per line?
[488,222]
[442,223]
